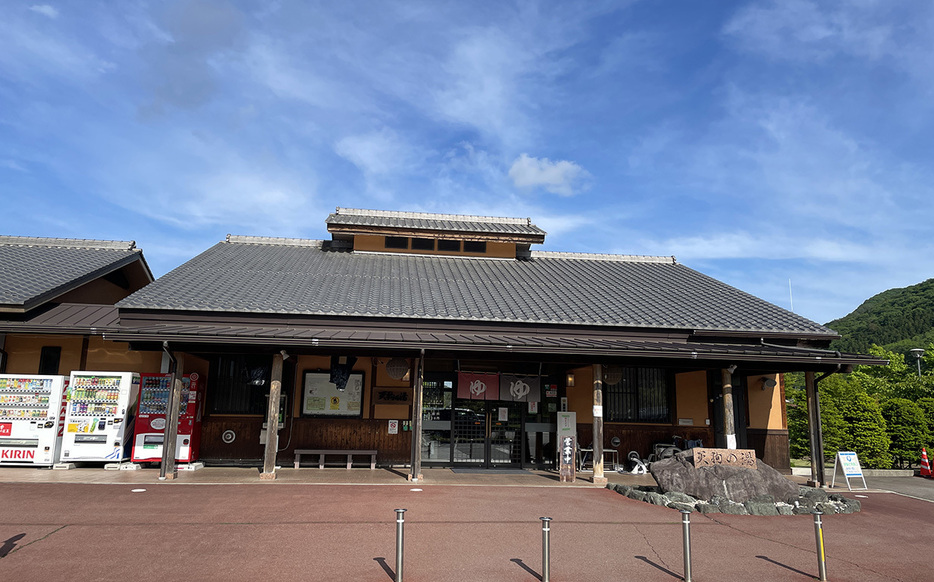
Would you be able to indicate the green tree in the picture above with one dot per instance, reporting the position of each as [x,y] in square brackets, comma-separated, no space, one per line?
[907,429]
[866,430]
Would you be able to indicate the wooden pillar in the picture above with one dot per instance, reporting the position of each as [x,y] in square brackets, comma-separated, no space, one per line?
[272,420]
[417,400]
[168,469]
[729,424]
[598,476]
[815,431]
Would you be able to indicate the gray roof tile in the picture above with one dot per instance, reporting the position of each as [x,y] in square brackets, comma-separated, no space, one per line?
[33,270]
[440,222]
[306,280]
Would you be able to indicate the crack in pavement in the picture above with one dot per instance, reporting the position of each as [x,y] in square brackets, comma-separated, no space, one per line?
[18,548]
[651,547]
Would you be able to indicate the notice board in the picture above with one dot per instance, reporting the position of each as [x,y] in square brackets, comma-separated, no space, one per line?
[322,398]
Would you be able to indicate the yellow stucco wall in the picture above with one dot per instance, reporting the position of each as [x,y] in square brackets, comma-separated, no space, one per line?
[580,397]
[691,397]
[376,243]
[765,403]
[24,350]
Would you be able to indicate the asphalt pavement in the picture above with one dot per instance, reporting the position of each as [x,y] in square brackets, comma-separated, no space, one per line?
[173,530]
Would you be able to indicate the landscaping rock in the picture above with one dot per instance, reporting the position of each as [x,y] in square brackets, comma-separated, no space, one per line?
[784,508]
[761,507]
[657,499]
[739,484]
[681,506]
[731,508]
[705,508]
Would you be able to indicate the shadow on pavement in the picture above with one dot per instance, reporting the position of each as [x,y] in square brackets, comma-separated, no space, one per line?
[660,567]
[795,570]
[9,544]
[526,568]
[382,562]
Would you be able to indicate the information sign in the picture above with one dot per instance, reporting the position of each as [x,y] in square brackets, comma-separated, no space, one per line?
[848,461]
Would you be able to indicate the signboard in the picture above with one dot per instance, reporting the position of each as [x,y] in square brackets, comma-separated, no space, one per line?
[393,427]
[567,446]
[733,457]
[322,398]
[849,462]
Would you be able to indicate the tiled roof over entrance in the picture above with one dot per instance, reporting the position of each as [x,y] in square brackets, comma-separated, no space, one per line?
[302,278]
[450,223]
[33,270]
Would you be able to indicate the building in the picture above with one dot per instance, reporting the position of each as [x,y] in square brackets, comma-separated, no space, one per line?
[56,301]
[452,326]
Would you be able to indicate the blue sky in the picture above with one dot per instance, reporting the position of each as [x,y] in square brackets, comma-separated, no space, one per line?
[783,147]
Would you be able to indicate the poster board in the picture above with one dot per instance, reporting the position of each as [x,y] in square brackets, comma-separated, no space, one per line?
[848,462]
[321,398]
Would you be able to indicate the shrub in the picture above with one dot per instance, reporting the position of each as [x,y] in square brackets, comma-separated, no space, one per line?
[866,430]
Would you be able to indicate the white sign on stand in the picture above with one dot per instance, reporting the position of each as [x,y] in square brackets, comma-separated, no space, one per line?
[849,462]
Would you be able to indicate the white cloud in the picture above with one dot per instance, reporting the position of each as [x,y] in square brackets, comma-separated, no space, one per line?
[561,177]
[376,153]
[45,10]
[12,165]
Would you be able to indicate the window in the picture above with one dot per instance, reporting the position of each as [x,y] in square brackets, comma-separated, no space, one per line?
[471,246]
[239,384]
[449,245]
[423,244]
[397,242]
[49,359]
[642,395]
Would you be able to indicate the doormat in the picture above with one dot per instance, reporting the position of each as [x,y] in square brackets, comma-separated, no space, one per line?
[490,471]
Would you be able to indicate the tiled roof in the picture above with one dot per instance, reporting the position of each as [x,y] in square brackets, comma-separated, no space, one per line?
[34,270]
[440,222]
[305,280]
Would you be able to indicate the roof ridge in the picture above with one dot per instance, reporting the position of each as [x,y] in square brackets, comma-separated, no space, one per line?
[272,240]
[432,216]
[80,243]
[604,257]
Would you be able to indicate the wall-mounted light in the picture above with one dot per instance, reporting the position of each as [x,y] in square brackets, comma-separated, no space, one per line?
[732,368]
[768,382]
[570,380]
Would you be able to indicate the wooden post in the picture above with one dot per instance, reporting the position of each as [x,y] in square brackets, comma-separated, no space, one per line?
[598,476]
[417,419]
[729,425]
[815,431]
[168,469]
[272,420]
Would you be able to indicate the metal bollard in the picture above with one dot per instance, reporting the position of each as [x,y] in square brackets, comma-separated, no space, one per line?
[400,524]
[686,534]
[546,548]
[819,537]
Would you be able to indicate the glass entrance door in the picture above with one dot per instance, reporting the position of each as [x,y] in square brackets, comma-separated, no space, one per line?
[487,433]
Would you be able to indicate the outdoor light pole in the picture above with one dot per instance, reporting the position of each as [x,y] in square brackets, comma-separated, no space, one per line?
[917,353]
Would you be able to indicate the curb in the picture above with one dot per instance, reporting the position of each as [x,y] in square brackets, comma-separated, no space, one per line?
[806,472]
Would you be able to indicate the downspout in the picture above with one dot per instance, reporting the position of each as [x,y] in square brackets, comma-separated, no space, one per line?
[817,473]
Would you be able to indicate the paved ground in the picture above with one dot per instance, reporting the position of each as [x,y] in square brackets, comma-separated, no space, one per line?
[210,525]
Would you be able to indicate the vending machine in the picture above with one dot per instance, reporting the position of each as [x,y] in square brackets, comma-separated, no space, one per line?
[99,416]
[30,419]
[150,422]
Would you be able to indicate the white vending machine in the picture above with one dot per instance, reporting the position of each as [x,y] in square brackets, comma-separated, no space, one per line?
[30,419]
[99,417]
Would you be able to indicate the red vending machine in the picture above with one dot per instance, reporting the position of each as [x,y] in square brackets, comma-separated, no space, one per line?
[150,421]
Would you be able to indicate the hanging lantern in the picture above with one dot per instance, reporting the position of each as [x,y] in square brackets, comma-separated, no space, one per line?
[397,368]
[612,375]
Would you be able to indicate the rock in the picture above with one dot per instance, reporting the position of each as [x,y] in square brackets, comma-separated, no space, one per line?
[705,508]
[622,489]
[784,508]
[679,497]
[739,484]
[681,506]
[801,510]
[636,494]
[828,507]
[755,507]
[733,508]
[813,494]
[850,505]
[657,499]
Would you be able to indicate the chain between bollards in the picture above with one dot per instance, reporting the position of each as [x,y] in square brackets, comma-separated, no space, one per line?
[686,535]
[819,538]
[400,524]
[546,548]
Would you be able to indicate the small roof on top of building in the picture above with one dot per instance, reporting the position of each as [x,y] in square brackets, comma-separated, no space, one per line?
[35,270]
[359,221]
[302,278]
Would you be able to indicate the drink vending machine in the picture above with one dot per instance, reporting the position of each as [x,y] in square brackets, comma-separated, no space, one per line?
[150,423]
[99,416]
[30,419]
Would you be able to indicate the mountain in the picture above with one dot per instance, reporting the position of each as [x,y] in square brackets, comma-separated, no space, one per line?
[897,319]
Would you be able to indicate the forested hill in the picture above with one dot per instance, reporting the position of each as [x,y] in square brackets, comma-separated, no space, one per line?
[898,319]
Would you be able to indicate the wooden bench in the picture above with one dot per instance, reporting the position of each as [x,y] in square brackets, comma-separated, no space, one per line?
[324,452]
